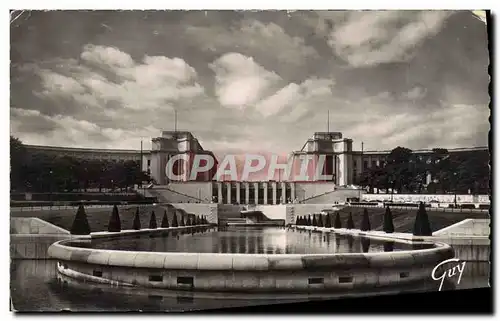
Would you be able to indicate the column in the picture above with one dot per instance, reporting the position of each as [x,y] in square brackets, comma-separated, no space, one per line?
[256,188]
[238,196]
[247,247]
[274,192]
[265,192]
[228,192]
[283,193]
[219,192]
[247,192]
[292,191]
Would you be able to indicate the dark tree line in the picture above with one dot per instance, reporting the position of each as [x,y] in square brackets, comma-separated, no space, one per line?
[39,172]
[406,172]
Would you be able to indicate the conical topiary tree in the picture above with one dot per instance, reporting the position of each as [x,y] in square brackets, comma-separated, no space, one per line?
[388,223]
[174,221]
[365,223]
[80,223]
[164,221]
[297,220]
[320,220]
[136,225]
[350,222]
[189,221]
[152,221]
[115,224]
[314,221]
[337,223]
[328,221]
[422,226]
[309,221]
[181,223]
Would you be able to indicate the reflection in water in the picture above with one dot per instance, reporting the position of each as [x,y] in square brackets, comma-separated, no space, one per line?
[388,246]
[350,243]
[365,244]
[35,286]
[246,240]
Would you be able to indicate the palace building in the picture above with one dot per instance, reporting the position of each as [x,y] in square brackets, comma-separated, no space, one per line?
[340,162]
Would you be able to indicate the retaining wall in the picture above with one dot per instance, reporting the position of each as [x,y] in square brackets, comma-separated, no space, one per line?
[30,237]
[210,211]
[467,227]
[427,198]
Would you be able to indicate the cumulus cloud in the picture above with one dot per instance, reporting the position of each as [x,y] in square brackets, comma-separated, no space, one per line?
[297,100]
[67,131]
[255,38]
[154,83]
[369,38]
[248,86]
[414,94]
[240,81]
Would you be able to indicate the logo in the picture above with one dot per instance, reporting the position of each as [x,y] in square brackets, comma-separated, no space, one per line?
[448,273]
[248,167]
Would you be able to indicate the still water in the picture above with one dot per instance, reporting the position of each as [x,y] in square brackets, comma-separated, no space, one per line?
[247,240]
[36,286]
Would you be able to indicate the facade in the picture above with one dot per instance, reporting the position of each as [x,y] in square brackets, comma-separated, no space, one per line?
[340,162]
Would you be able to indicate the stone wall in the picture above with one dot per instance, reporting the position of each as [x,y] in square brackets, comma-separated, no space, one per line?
[210,211]
[427,198]
[466,228]
[33,225]
[30,237]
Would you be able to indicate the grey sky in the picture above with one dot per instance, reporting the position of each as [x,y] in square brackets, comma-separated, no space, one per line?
[259,81]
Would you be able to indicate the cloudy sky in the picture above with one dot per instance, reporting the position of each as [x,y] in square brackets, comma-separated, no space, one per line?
[254,81]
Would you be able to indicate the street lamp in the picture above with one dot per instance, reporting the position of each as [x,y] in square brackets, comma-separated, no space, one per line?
[455,187]
[392,190]
[50,186]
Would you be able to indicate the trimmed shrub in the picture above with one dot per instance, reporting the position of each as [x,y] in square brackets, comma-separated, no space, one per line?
[115,224]
[164,221]
[388,221]
[328,221]
[365,223]
[181,223]
[297,220]
[152,221]
[350,222]
[320,220]
[422,226]
[137,222]
[309,221]
[314,221]
[337,223]
[174,221]
[80,223]
[189,221]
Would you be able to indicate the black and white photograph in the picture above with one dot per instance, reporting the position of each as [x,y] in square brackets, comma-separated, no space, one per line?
[196,160]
